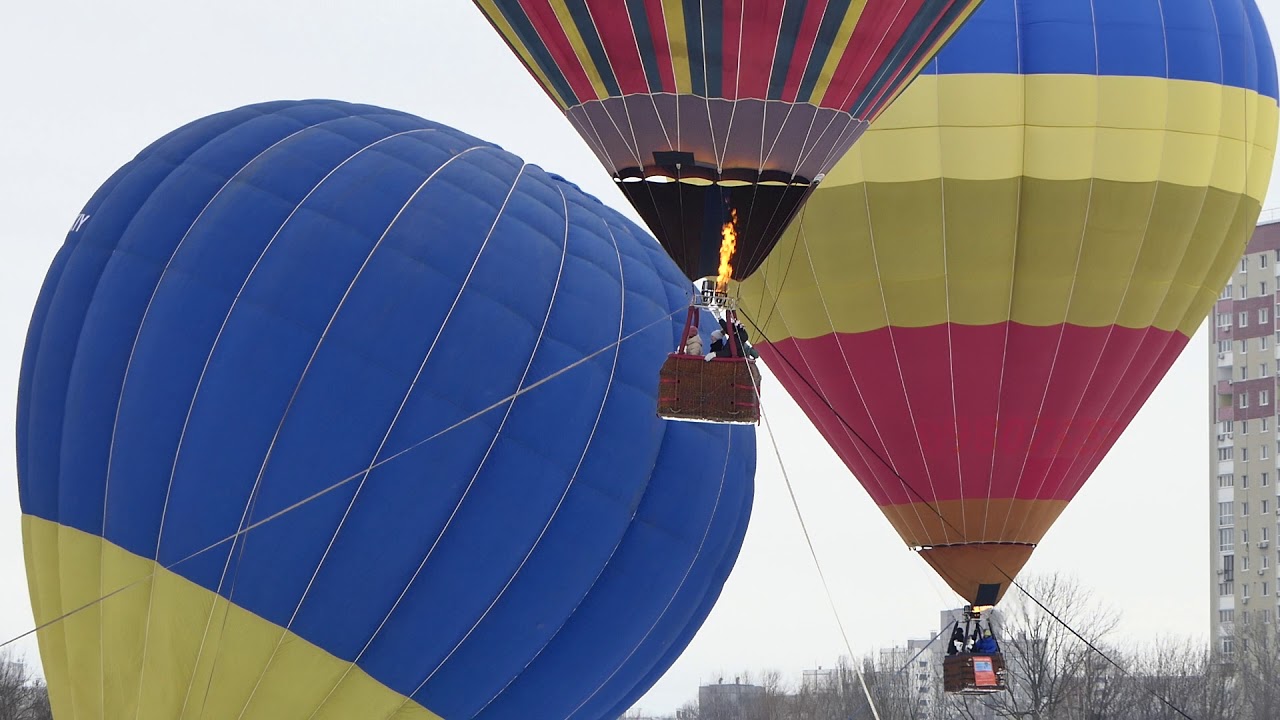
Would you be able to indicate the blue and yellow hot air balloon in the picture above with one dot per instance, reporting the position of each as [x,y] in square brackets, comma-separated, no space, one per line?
[328,411]
[715,112]
[978,299]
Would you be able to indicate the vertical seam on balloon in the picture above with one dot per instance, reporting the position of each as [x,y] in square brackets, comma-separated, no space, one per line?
[893,346]
[195,393]
[462,289]
[1173,335]
[251,505]
[425,359]
[124,379]
[1111,329]
[364,474]
[946,286]
[887,457]
[160,529]
[1075,276]
[621,540]
[408,698]
[711,518]
[581,458]
[1020,49]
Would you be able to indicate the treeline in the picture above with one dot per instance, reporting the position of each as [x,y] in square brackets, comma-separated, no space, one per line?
[1054,674]
[23,695]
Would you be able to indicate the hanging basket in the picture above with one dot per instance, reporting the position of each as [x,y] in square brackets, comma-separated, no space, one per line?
[722,390]
[970,674]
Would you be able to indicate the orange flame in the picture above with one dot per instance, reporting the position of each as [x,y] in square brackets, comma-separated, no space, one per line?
[728,243]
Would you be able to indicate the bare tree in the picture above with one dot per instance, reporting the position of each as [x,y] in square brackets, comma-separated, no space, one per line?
[22,696]
[1257,670]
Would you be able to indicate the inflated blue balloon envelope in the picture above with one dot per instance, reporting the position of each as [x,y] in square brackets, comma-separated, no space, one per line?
[353,413]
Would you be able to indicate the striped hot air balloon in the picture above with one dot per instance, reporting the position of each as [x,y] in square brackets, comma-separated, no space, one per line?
[704,108]
[981,295]
[328,411]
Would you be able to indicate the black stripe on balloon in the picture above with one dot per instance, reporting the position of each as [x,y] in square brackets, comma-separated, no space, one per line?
[792,14]
[528,36]
[644,42]
[822,47]
[697,53]
[595,47]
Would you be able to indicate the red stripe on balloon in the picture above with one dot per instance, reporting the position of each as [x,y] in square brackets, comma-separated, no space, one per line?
[661,45]
[963,411]
[806,38]
[760,30]
[613,24]
[878,32]
[550,32]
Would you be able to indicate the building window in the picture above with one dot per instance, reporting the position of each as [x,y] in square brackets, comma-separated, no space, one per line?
[1224,513]
[1244,427]
[1244,263]
[1266,561]
[1224,320]
[1264,397]
[1244,563]
[1244,511]
[1242,320]
[1226,616]
[1226,426]
[1244,593]
[1228,568]
[1244,536]
[1226,538]
[1265,589]
[1262,342]
[1226,480]
[1244,400]
[1228,645]
[1244,457]
[1262,288]
[1266,423]
[1226,588]
[1265,503]
[1262,262]
[1264,316]
[1244,346]
[1225,453]
[1266,533]
[1244,374]
[1266,616]
[1266,479]
[1266,451]
[1262,372]
[1226,292]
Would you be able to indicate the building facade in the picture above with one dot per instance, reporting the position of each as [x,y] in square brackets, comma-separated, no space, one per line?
[1244,444]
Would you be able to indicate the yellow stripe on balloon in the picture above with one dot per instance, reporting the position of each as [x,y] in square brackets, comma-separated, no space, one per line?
[508,33]
[678,43]
[1069,127]
[845,31]
[179,681]
[570,29]
[1037,252]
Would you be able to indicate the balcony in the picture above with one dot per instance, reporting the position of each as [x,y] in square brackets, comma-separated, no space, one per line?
[1228,440]
[1224,387]
[1226,412]
[1227,359]
[1226,467]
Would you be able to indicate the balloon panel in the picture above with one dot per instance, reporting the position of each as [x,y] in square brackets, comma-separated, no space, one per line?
[980,296]
[702,108]
[336,304]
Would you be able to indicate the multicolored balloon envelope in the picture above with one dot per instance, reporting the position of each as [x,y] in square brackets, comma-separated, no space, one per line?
[349,414]
[980,296]
[710,112]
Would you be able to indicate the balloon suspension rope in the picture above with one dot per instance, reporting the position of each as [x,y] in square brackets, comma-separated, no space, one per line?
[350,478]
[796,372]
[816,563]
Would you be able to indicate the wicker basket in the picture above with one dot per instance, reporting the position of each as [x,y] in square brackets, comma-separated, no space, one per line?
[722,390]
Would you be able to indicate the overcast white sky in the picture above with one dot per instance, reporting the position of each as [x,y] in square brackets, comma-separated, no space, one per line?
[84,85]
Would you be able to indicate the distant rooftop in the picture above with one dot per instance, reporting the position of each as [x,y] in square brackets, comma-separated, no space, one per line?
[1269,216]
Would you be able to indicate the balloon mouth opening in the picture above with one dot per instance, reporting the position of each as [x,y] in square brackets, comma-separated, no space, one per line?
[699,176]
